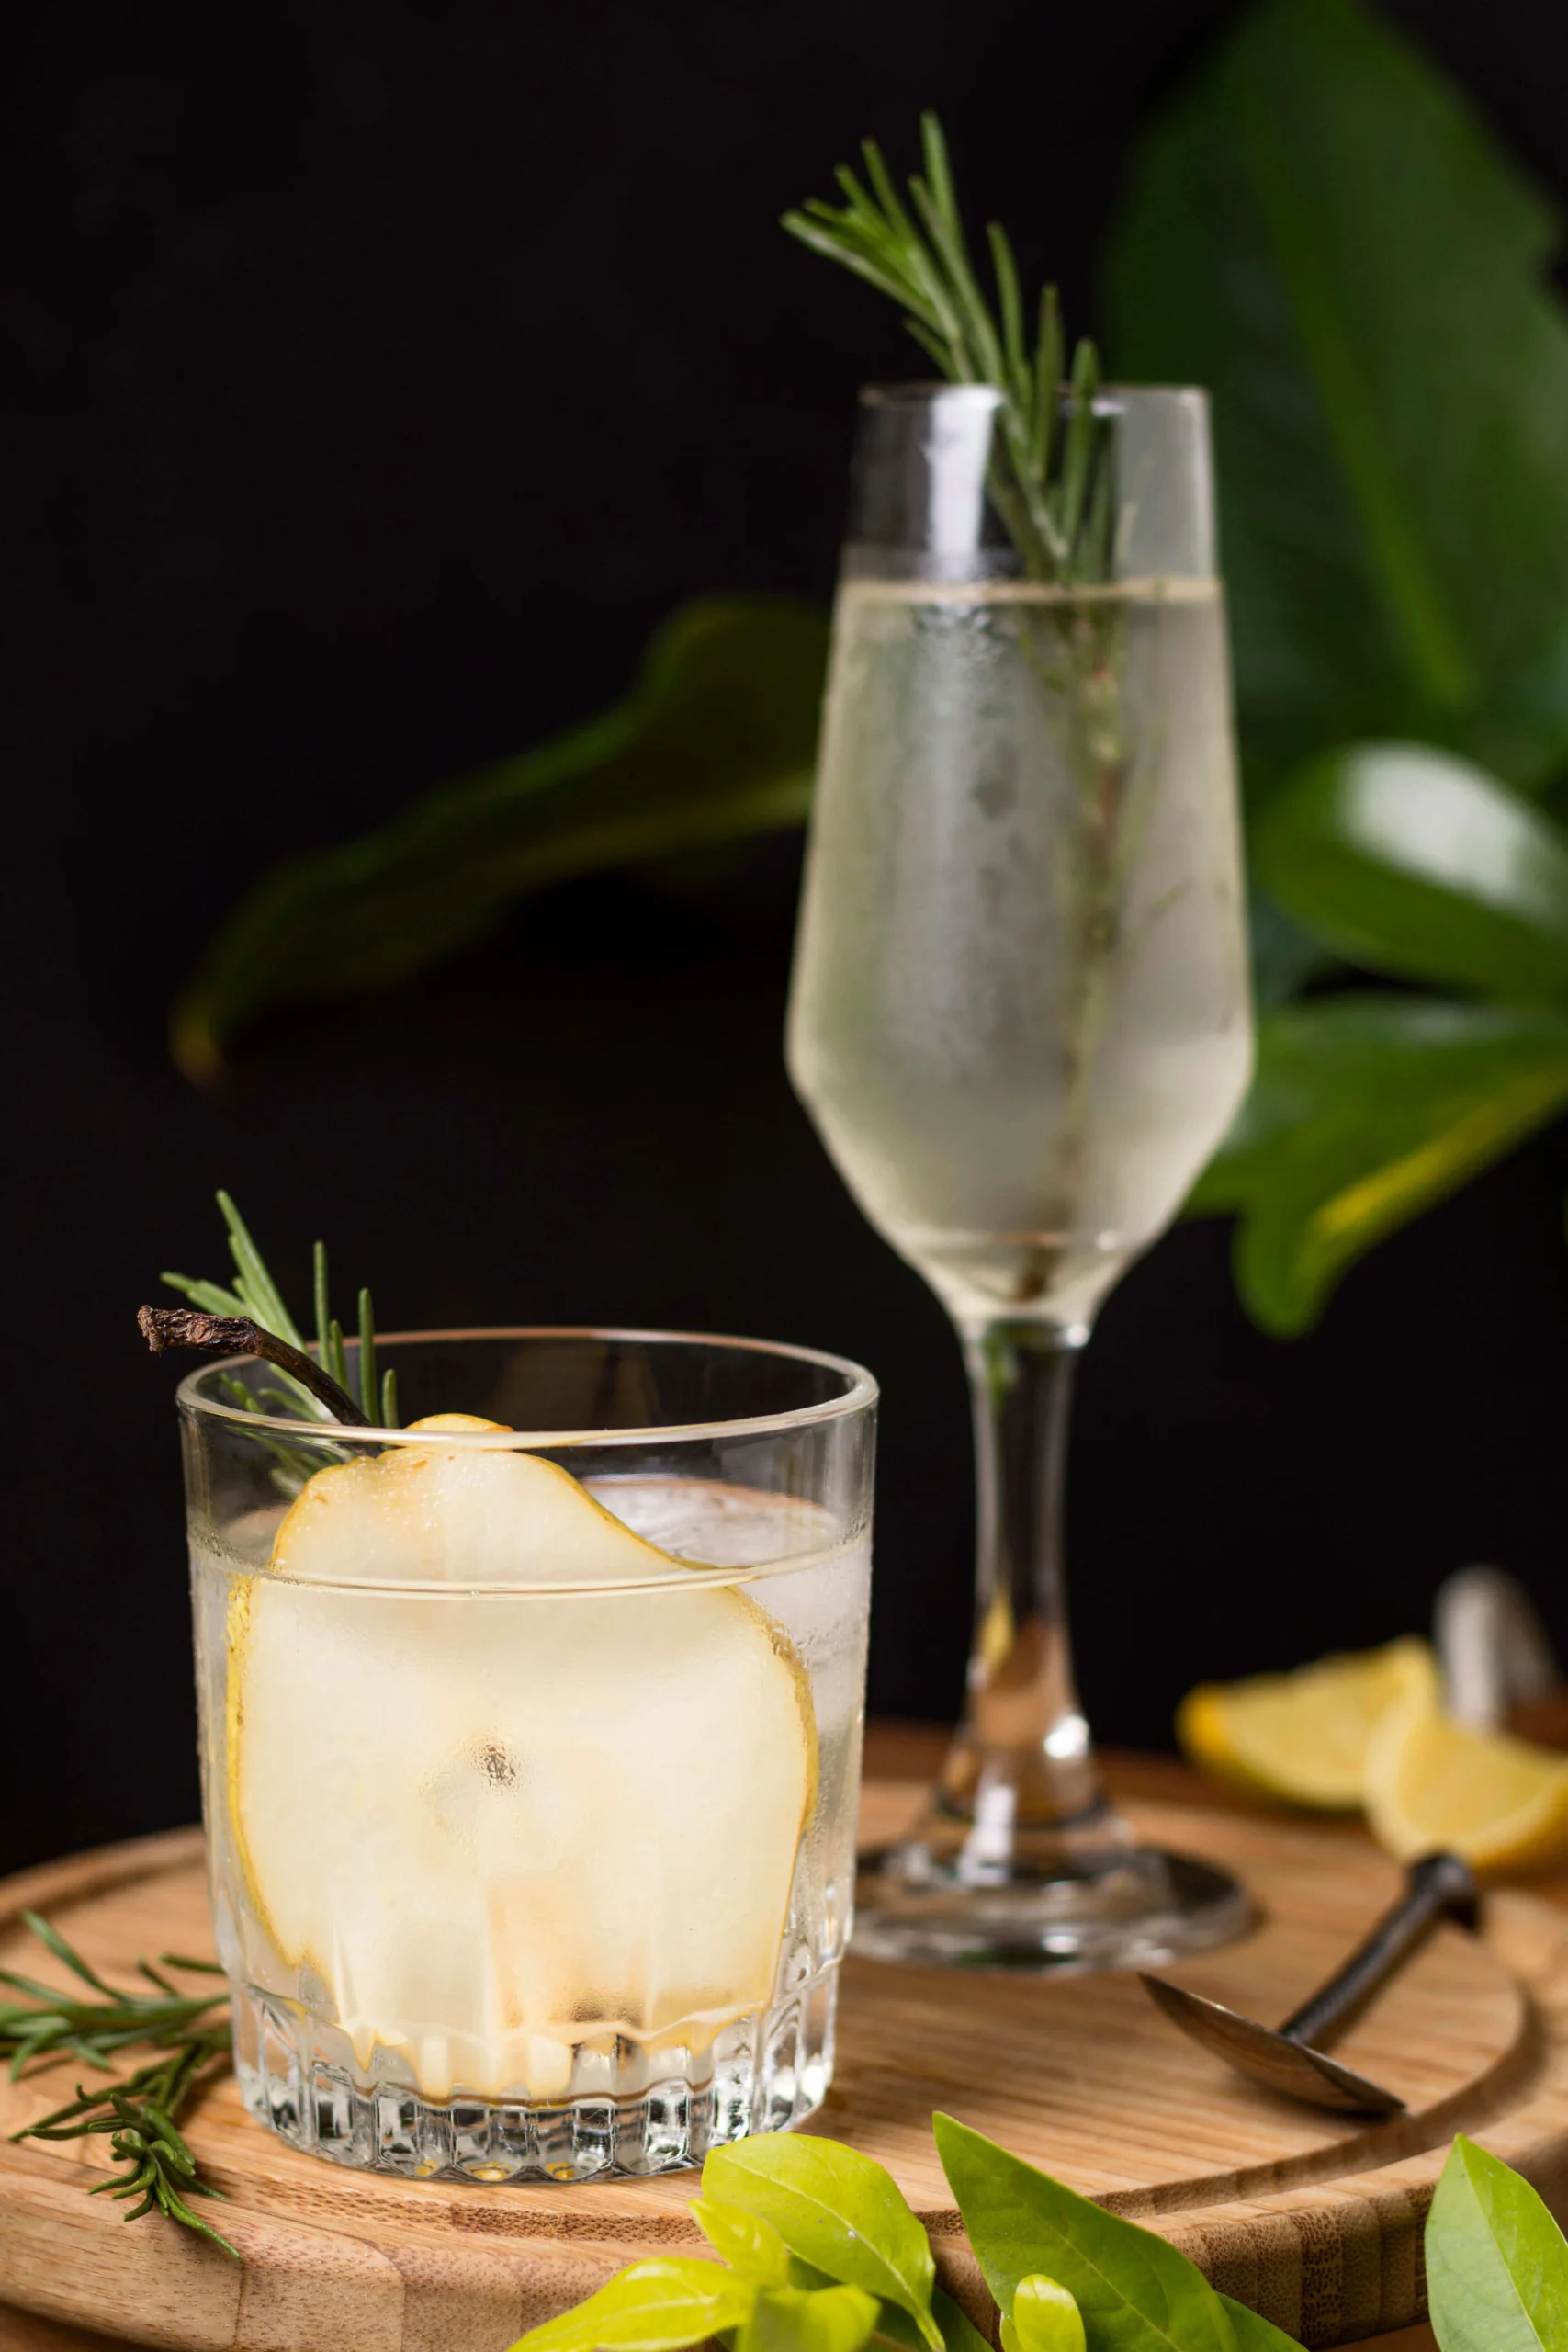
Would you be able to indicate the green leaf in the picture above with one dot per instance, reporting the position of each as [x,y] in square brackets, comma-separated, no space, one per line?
[1044,2318]
[1526,731]
[1496,2262]
[795,2319]
[1363,1112]
[1416,863]
[959,2333]
[749,2244]
[652,2307]
[1136,2292]
[895,2328]
[1254,2334]
[1284,956]
[716,739]
[837,2210]
[1322,233]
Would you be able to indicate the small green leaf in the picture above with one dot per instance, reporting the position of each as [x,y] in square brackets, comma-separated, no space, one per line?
[1363,1112]
[653,2307]
[1413,862]
[959,2333]
[1496,2262]
[795,2319]
[1136,2292]
[716,741]
[750,2245]
[895,2328]
[1044,2318]
[837,2210]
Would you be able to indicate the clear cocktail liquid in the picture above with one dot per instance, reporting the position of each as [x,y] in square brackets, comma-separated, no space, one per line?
[1020,1012]
[439,2066]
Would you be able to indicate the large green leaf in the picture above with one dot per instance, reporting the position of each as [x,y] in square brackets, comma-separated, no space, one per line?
[716,739]
[1322,233]
[1136,2292]
[1496,2263]
[1414,861]
[1365,1110]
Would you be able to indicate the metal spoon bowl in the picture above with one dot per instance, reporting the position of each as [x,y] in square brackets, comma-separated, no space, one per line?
[1292,2059]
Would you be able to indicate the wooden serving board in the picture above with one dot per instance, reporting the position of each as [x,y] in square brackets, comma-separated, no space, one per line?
[1311,2219]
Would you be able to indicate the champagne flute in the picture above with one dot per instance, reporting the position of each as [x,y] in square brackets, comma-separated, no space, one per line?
[1020,1021]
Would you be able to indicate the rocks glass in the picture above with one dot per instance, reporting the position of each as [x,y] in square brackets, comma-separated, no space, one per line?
[531,1744]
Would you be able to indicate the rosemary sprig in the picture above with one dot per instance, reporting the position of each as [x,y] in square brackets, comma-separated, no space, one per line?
[138,2112]
[1047,479]
[256,1297]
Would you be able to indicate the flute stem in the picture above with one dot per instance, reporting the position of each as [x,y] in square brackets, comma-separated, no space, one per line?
[1023,1761]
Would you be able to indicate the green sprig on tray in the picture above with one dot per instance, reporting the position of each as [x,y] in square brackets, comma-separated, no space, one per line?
[136,2114]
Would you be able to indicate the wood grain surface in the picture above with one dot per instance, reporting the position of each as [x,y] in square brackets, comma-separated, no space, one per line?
[1307,2217]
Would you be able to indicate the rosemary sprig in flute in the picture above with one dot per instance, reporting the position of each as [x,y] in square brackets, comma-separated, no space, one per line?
[1047,479]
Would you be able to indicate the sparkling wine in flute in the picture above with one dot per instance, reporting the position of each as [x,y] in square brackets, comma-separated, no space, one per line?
[1020,1021]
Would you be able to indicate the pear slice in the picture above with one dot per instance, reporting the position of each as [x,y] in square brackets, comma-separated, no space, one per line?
[499,1825]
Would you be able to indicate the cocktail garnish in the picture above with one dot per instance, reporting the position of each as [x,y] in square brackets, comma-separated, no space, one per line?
[237,1335]
[1053,496]
[257,1300]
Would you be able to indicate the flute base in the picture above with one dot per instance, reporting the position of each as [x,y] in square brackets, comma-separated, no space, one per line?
[1090,1901]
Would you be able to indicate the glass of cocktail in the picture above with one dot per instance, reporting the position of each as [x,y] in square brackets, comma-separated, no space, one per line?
[1021,1020]
[531,1740]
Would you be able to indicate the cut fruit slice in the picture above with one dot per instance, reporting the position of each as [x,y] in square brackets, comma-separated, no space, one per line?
[1304,1736]
[498,1824]
[474,1516]
[1501,1803]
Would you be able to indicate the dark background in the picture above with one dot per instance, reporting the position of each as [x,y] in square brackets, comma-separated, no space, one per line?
[374,379]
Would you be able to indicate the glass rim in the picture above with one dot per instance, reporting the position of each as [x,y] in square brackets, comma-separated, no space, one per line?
[860,1393]
[916,391]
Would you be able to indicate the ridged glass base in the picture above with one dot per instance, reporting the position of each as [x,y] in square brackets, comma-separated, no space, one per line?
[764,2072]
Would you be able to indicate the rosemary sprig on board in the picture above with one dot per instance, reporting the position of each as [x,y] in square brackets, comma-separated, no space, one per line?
[138,2112]
[1047,481]
[256,1297]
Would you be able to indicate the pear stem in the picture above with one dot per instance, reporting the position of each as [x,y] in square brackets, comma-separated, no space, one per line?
[236,1335]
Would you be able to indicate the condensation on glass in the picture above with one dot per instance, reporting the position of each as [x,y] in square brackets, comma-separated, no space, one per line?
[531,1754]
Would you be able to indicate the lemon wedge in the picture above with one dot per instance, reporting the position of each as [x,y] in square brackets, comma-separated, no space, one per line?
[1304,1736]
[1501,1803]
